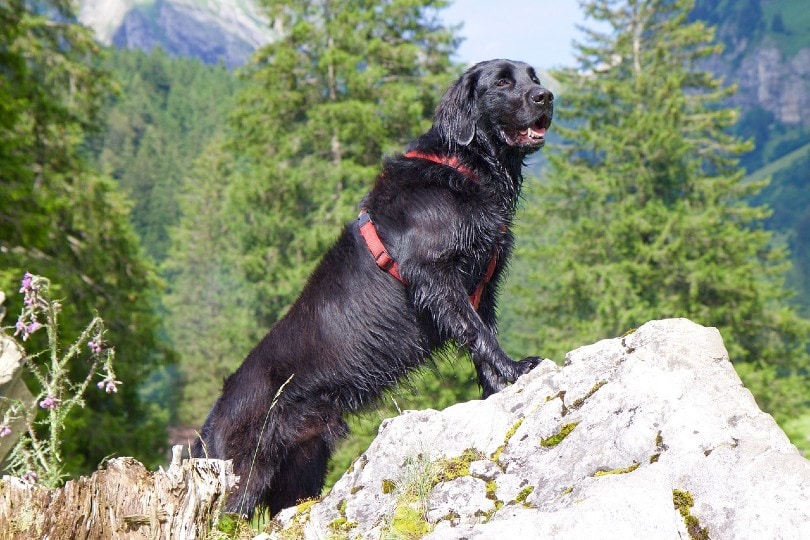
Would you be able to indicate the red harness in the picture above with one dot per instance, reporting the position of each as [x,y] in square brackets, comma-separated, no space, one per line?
[384,259]
[451,161]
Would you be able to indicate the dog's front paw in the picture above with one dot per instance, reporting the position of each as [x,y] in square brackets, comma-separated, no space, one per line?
[494,380]
[527,364]
[514,369]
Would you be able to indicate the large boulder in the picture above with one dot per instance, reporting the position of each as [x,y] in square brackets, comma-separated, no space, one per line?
[651,435]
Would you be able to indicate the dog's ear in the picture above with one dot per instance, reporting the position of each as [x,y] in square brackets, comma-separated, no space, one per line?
[457,114]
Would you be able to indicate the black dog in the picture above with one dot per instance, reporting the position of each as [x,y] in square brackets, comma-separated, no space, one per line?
[419,268]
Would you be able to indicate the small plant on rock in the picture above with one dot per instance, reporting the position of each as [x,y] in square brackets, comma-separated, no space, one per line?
[408,517]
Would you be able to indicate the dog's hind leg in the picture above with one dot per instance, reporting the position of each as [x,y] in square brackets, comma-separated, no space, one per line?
[300,476]
[301,472]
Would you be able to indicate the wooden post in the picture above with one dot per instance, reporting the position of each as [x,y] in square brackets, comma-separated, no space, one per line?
[12,388]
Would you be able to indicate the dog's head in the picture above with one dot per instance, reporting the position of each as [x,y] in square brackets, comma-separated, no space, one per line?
[502,100]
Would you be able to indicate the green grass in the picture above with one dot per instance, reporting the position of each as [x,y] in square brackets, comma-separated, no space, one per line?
[796,18]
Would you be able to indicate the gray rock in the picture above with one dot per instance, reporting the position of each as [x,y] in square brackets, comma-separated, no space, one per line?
[509,486]
[485,469]
[603,447]
[768,78]
[12,360]
[464,497]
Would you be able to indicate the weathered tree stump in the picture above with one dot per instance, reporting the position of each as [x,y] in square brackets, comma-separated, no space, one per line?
[122,501]
[12,388]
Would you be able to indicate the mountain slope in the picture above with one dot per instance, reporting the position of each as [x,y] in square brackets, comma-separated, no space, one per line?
[767,54]
[214,31]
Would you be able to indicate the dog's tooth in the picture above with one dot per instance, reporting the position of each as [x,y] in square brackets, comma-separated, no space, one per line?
[537,134]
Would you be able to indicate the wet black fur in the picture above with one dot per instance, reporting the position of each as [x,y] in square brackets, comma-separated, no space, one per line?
[355,330]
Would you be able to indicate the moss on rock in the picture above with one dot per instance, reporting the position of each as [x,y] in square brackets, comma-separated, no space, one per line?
[683,501]
[558,437]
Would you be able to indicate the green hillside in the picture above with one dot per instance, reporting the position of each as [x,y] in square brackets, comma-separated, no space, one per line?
[788,195]
[789,24]
[781,141]
[746,23]
[785,163]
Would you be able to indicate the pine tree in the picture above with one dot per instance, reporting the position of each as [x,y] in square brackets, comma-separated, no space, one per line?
[644,212]
[166,111]
[60,219]
[207,318]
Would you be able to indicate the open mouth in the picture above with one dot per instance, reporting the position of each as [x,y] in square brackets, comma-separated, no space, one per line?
[532,136]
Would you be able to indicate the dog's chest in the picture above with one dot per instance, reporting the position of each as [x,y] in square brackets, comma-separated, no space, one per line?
[483,248]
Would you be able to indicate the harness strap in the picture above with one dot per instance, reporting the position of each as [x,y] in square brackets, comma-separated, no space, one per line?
[375,245]
[384,259]
[451,161]
[387,263]
[475,298]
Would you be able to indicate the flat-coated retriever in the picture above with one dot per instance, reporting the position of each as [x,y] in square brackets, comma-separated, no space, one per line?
[418,268]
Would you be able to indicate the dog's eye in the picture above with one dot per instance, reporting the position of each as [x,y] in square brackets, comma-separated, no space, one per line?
[535,80]
[503,82]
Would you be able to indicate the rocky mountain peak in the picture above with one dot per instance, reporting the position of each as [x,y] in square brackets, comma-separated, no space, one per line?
[227,31]
[770,79]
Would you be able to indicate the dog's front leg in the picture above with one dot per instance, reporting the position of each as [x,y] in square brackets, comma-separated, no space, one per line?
[442,296]
[495,368]
[508,372]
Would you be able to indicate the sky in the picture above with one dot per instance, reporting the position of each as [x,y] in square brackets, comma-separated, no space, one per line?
[539,32]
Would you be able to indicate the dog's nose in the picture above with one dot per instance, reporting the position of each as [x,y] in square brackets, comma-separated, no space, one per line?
[542,96]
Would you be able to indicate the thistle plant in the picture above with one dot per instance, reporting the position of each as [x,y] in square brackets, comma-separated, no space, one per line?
[37,456]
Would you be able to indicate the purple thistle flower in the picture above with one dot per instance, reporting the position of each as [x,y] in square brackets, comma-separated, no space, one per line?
[5,430]
[30,477]
[33,327]
[27,283]
[30,287]
[109,385]
[49,402]
[95,345]
[25,330]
